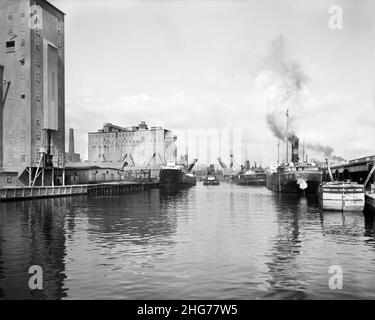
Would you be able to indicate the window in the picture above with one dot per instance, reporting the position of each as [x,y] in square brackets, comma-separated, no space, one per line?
[23,96]
[10,17]
[37,31]
[23,158]
[37,96]
[59,43]
[37,121]
[58,29]
[9,180]
[37,77]
[38,135]
[37,62]
[22,42]
[10,46]
[37,45]
[10,32]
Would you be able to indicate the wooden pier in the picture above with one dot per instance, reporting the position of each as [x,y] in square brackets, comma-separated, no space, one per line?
[105,189]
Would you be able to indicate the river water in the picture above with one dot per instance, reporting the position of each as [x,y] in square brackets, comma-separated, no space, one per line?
[214,242]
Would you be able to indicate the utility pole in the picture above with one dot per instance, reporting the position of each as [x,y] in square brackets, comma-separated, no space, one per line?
[278,151]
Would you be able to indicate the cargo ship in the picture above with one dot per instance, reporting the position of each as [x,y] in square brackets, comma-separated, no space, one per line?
[295,177]
[254,176]
[177,176]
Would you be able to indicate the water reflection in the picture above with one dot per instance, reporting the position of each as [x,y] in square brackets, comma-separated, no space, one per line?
[32,233]
[204,242]
[283,266]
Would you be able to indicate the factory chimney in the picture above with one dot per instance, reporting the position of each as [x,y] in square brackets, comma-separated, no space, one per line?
[71,142]
[295,149]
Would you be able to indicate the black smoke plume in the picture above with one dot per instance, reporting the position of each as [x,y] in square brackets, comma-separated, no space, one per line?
[327,151]
[289,80]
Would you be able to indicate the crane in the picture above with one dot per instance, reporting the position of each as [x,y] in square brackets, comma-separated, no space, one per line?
[222,164]
[125,163]
[191,166]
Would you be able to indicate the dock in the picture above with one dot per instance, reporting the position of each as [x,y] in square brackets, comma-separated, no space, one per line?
[92,190]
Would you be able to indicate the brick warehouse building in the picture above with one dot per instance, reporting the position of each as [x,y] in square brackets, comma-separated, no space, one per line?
[32,117]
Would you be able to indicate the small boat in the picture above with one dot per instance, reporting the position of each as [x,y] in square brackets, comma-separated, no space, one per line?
[211,180]
[341,196]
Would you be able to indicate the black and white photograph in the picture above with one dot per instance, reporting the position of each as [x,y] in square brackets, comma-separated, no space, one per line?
[201,151]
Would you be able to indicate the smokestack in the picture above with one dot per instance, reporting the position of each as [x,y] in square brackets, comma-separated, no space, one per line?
[1,116]
[71,141]
[247,164]
[295,149]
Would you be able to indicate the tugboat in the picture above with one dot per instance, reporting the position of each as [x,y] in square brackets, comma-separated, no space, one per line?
[255,176]
[177,176]
[295,177]
[211,179]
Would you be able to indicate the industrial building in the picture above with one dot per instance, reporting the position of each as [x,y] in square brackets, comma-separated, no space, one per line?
[136,146]
[32,108]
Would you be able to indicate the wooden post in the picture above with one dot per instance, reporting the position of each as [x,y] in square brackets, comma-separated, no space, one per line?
[43,177]
[53,176]
[369,175]
[30,176]
[329,170]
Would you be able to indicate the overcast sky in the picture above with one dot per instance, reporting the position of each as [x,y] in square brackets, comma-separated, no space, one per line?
[205,64]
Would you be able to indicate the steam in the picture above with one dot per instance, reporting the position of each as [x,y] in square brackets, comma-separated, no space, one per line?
[327,151]
[287,81]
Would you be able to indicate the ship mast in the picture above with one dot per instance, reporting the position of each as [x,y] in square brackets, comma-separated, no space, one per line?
[287,133]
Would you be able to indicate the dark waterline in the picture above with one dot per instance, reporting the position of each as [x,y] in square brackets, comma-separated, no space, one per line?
[214,242]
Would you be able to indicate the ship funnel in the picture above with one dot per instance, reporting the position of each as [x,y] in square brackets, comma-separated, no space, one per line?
[295,149]
[247,165]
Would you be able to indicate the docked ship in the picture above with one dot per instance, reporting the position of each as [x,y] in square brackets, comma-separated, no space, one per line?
[295,177]
[254,176]
[211,178]
[177,176]
[341,196]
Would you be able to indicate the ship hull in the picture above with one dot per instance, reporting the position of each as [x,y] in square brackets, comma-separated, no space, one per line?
[341,197]
[176,178]
[207,182]
[290,182]
[251,180]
